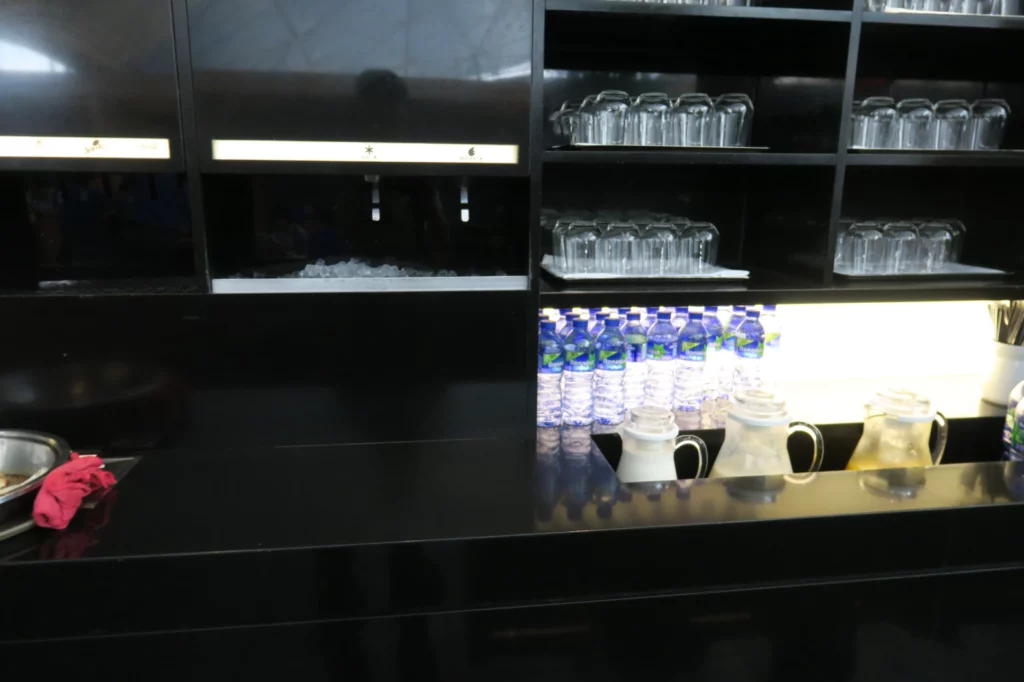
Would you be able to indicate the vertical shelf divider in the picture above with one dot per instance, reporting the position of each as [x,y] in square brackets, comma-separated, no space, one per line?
[190,140]
[537,122]
[838,186]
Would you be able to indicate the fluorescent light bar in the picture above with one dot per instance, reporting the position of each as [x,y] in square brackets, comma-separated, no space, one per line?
[364,152]
[84,147]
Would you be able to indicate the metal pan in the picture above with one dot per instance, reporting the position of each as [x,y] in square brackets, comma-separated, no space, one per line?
[27,453]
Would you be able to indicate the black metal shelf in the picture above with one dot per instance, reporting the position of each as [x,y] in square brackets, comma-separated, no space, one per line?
[763,288]
[641,8]
[945,19]
[688,158]
[992,159]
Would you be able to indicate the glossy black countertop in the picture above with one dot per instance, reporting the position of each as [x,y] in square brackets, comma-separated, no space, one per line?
[247,537]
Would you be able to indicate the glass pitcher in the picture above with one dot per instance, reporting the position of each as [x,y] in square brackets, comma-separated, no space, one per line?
[896,431]
[755,438]
[650,439]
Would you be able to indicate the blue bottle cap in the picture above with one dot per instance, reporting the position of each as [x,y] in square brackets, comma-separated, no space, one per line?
[603,316]
[594,311]
[579,324]
[565,311]
[682,309]
[547,326]
[623,312]
[652,311]
[753,314]
[633,317]
[696,317]
[612,323]
[711,309]
[739,308]
[769,308]
[570,316]
[664,317]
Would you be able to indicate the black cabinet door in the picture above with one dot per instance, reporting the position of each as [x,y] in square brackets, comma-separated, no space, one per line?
[90,70]
[366,71]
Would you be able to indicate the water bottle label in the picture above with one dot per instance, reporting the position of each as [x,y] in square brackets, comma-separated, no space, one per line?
[715,340]
[636,351]
[551,363]
[729,341]
[773,340]
[579,360]
[695,351]
[750,349]
[613,359]
[661,351]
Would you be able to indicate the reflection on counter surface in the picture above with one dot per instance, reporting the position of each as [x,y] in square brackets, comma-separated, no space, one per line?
[576,488]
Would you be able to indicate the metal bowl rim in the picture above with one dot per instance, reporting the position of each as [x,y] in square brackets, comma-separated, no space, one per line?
[61,454]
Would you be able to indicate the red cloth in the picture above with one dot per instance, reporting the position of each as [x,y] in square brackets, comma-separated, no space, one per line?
[65,487]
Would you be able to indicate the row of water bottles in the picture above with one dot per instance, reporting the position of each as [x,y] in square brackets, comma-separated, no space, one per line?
[594,365]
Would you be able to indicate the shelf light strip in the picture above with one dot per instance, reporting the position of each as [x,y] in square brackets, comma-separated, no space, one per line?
[364,152]
[29,147]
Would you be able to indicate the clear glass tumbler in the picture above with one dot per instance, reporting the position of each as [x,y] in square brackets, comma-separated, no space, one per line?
[874,124]
[581,248]
[901,248]
[567,120]
[648,120]
[842,260]
[733,120]
[615,249]
[866,249]
[558,233]
[659,249]
[935,246]
[926,5]
[988,123]
[952,122]
[690,120]
[959,232]
[610,113]
[916,117]
[586,122]
[702,247]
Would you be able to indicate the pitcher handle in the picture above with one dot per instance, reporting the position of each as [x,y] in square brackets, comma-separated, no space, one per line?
[819,444]
[940,439]
[702,452]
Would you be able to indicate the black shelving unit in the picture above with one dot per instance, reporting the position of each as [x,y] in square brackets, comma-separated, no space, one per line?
[789,250]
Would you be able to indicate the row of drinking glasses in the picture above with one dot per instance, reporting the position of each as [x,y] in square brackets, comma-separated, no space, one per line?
[718,3]
[625,248]
[654,119]
[899,247]
[881,123]
[950,6]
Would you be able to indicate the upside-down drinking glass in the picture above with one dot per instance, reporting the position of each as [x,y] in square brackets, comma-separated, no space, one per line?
[915,123]
[610,113]
[959,232]
[615,249]
[701,251]
[901,248]
[733,120]
[952,121]
[690,120]
[567,120]
[865,248]
[874,124]
[659,249]
[648,120]
[586,121]
[558,233]
[988,123]
[581,247]
[935,246]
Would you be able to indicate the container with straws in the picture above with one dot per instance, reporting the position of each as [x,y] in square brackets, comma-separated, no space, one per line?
[1007,368]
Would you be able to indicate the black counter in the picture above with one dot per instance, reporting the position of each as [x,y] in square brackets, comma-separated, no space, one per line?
[240,538]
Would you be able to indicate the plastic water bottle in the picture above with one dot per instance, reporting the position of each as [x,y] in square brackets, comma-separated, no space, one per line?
[550,360]
[662,342]
[636,360]
[1016,450]
[712,371]
[772,345]
[610,377]
[1011,406]
[596,330]
[578,388]
[650,319]
[623,312]
[681,318]
[691,361]
[562,321]
[749,352]
[592,320]
[567,327]
[727,366]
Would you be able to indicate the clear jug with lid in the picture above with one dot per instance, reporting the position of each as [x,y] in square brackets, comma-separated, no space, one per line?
[756,432]
[896,431]
[650,439]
